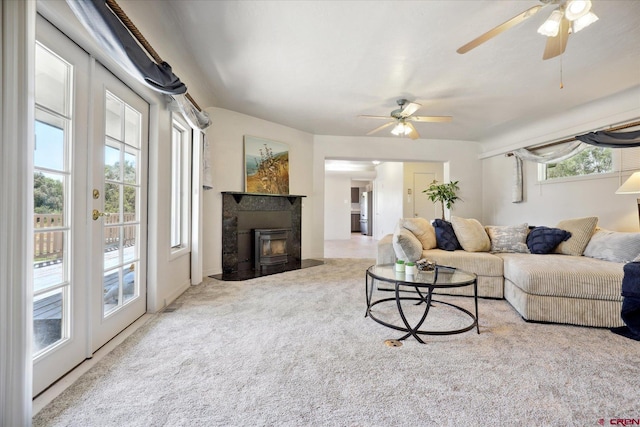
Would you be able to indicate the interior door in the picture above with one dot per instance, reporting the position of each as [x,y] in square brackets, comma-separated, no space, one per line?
[119,199]
[422,206]
[89,276]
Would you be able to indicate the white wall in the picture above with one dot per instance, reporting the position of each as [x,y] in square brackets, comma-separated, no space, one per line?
[549,203]
[387,200]
[461,155]
[225,136]
[337,207]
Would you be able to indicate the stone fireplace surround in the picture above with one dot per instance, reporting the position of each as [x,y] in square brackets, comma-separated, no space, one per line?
[244,212]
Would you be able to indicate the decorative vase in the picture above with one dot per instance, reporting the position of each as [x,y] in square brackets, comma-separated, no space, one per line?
[410,269]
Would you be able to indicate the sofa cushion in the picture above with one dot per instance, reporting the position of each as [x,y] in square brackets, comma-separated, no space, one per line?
[480,263]
[471,234]
[543,240]
[508,238]
[445,236]
[581,230]
[564,276]
[406,245]
[422,229]
[613,246]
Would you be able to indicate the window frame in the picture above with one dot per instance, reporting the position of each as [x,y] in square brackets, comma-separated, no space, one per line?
[180,181]
[616,162]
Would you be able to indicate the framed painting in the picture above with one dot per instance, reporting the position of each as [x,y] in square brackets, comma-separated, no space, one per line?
[266,166]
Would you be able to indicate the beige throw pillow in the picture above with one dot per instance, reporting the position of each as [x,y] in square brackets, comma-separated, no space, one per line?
[422,229]
[581,230]
[471,234]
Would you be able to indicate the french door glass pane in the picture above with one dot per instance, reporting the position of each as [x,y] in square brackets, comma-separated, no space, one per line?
[130,248]
[112,163]
[113,117]
[48,327]
[52,81]
[130,196]
[132,127]
[130,168]
[112,247]
[49,147]
[112,202]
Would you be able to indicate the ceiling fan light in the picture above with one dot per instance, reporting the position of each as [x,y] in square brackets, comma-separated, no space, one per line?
[551,26]
[576,9]
[583,22]
[401,129]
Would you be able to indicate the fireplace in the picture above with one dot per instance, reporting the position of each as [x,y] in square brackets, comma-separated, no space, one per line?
[270,247]
[245,214]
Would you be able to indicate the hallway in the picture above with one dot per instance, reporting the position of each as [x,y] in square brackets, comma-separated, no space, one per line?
[358,246]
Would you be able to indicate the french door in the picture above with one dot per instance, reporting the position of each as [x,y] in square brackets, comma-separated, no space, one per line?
[89,206]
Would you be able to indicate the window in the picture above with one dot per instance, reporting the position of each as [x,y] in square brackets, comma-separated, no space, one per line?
[180,185]
[593,160]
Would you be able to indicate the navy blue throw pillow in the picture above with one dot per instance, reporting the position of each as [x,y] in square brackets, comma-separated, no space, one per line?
[543,240]
[445,236]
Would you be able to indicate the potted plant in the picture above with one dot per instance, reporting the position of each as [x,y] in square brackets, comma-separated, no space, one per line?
[444,193]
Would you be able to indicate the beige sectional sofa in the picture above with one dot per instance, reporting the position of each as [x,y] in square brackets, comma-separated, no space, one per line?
[560,287]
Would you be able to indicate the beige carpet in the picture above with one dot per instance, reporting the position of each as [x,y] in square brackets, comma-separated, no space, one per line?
[295,349]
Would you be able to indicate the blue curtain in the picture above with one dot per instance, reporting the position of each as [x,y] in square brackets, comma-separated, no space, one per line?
[118,42]
[612,139]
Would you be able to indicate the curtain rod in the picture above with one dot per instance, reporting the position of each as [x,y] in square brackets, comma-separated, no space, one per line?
[573,138]
[141,39]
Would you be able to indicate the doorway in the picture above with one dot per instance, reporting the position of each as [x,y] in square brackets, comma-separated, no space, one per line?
[90,204]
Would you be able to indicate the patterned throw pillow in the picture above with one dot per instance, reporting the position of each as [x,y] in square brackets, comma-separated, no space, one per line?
[613,246]
[445,236]
[508,238]
[406,245]
[471,234]
[543,240]
[581,230]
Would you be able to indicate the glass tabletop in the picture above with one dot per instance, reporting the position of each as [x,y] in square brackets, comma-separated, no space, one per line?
[446,277]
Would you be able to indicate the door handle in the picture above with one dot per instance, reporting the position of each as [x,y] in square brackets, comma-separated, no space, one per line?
[97,214]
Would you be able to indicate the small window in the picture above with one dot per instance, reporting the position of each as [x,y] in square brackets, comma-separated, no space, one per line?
[591,161]
[180,185]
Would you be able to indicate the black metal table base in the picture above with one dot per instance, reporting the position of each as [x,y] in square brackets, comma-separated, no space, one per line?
[422,297]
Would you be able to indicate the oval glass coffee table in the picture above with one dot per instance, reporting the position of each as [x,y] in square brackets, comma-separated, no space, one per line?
[419,287]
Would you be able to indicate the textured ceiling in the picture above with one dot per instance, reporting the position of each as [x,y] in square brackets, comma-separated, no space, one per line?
[317,65]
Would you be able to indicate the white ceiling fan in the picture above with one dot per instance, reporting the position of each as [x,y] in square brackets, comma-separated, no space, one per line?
[569,17]
[402,118]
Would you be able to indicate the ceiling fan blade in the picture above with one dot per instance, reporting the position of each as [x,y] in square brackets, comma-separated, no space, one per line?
[375,117]
[409,108]
[379,128]
[556,45]
[500,29]
[432,119]
[414,133]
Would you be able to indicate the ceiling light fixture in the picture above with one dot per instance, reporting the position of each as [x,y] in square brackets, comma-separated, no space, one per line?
[583,22]
[578,12]
[576,9]
[401,129]
[551,26]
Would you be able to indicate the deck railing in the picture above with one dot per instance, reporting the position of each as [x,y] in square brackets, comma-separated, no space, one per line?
[48,239]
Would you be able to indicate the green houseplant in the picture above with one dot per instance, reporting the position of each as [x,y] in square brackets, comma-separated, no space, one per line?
[444,193]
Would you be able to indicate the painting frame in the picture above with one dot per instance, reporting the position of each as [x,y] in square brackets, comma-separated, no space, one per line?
[266,166]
